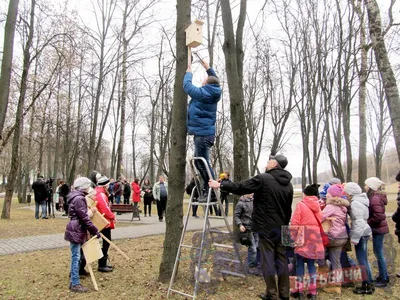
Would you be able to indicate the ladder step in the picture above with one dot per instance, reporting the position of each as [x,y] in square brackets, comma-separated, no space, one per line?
[216,217]
[233,273]
[223,246]
[189,246]
[201,203]
[236,261]
[219,231]
[182,293]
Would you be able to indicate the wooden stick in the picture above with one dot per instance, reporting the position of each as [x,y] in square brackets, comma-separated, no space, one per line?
[189,56]
[92,277]
[115,246]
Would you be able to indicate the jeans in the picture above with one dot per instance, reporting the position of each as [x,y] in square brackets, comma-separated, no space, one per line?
[362,259]
[43,205]
[312,271]
[202,145]
[117,199]
[377,243]
[75,257]
[253,256]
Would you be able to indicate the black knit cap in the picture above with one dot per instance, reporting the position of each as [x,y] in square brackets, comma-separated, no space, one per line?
[311,190]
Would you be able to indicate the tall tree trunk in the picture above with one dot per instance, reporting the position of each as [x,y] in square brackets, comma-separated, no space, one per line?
[6,64]
[125,43]
[18,120]
[233,53]
[362,96]
[384,67]
[177,161]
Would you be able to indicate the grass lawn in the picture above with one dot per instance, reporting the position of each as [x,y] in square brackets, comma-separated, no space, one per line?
[23,223]
[44,275]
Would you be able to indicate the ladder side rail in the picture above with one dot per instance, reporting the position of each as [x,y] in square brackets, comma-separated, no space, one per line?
[203,238]
[178,254]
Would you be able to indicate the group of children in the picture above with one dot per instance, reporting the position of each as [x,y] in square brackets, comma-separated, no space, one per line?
[342,214]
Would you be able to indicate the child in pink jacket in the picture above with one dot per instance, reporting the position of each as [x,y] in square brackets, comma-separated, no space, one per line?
[307,214]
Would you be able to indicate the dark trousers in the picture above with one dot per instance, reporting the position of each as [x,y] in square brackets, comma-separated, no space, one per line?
[65,205]
[273,262]
[161,205]
[147,205]
[224,199]
[126,199]
[107,233]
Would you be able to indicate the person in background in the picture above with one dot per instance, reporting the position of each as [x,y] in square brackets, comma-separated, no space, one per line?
[136,192]
[117,191]
[243,216]
[127,192]
[379,226]
[308,214]
[147,189]
[160,192]
[272,208]
[224,177]
[396,215]
[191,188]
[63,192]
[103,207]
[323,192]
[359,233]
[76,230]
[111,191]
[40,191]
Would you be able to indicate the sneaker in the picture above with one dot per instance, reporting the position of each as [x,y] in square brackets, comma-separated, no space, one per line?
[78,289]
[83,273]
[149,215]
[196,217]
[160,220]
[381,283]
[45,218]
[105,269]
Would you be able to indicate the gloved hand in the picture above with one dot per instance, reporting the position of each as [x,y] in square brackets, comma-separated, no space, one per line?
[98,235]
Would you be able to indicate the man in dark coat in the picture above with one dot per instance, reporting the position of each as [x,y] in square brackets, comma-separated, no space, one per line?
[273,197]
[40,190]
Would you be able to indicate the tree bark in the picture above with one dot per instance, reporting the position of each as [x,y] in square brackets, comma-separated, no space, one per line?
[177,162]
[362,96]
[233,53]
[6,65]
[384,67]
[11,179]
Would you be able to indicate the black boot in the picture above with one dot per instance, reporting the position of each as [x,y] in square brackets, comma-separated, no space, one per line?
[103,265]
[108,263]
[365,289]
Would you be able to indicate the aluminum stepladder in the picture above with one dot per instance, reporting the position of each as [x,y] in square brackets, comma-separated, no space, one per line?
[207,232]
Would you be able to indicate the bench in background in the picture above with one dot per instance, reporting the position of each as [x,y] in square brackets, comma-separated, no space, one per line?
[126,208]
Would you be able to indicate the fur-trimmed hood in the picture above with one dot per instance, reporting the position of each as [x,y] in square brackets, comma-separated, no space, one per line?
[337,201]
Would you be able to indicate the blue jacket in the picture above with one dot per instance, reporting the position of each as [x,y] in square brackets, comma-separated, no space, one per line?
[202,111]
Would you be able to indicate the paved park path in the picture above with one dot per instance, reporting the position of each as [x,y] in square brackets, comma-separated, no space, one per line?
[151,226]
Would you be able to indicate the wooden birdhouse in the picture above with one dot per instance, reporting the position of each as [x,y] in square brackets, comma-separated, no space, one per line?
[194,34]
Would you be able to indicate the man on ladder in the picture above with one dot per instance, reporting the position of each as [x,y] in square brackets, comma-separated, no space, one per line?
[202,114]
